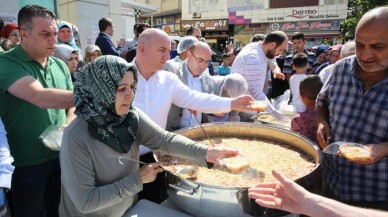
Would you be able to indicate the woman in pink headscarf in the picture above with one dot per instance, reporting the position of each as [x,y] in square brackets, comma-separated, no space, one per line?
[11,32]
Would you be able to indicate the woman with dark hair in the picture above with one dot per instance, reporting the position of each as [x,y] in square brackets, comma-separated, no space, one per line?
[97,180]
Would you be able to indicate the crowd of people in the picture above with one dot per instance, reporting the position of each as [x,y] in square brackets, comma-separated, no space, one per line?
[125,99]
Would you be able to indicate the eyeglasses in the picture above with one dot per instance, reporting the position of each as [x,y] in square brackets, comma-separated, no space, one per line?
[200,60]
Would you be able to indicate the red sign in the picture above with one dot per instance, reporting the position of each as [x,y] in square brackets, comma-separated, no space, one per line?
[206,25]
[307,26]
[292,4]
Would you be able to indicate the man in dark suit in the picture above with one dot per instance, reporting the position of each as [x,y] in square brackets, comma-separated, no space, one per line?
[104,39]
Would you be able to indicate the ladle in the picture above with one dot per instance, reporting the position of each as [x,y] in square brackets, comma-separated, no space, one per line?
[186,172]
[199,123]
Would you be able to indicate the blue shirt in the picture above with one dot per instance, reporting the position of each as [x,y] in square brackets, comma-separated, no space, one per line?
[221,70]
[359,116]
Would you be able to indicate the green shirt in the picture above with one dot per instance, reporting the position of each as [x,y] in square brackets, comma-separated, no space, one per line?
[23,121]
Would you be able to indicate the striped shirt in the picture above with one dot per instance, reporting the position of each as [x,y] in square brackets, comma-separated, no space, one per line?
[253,65]
[356,116]
[287,68]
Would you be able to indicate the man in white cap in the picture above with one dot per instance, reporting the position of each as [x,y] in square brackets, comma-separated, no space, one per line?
[183,50]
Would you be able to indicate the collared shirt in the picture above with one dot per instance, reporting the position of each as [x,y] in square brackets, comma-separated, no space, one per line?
[252,64]
[287,68]
[24,129]
[6,168]
[222,70]
[156,95]
[325,73]
[177,59]
[321,67]
[109,36]
[305,123]
[130,43]
[356,116]
[193,83]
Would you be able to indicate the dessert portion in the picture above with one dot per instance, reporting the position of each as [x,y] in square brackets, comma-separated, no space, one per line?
[355,153]
[235,164]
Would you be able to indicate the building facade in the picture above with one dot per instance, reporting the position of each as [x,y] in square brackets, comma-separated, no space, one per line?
[318,19]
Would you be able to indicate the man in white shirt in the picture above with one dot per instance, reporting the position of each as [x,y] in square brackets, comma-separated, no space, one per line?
[157,89]
[252,63]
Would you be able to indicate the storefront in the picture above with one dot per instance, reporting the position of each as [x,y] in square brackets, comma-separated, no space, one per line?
[214,31]
[171,24]
[315,31]
[244,33]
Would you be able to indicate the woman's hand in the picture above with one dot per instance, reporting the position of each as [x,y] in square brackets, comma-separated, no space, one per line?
[148,172]
[213,153]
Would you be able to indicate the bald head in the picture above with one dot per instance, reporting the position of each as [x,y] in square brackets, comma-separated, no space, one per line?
[152,35]
[372,42]
[201,46]
[153,51]
[377,16]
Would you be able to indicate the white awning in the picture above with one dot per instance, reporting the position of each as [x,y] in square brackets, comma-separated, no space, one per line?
[141,6]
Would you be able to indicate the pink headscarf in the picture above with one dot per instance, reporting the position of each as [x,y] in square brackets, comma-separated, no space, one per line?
[7,29]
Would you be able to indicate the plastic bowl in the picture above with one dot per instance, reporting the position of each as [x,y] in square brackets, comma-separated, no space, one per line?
[259,105]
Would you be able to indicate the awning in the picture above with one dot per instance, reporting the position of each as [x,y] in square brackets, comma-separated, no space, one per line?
[141,6]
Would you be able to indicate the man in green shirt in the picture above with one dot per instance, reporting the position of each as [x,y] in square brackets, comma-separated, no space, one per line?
[35,90]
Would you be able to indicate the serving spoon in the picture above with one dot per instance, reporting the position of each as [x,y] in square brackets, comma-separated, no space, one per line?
[186,172]
[199,123]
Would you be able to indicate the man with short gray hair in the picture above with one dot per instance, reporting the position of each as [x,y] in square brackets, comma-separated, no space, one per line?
[353,107]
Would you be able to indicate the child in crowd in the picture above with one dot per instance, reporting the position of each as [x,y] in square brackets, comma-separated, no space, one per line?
[300,65]
[305,123]
[224,69]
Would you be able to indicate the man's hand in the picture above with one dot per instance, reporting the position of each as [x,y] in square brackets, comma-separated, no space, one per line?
[323,134]
[242,103]
[279,75]
[193,112]
[286,195]
[148,172]
[121,42]
[377,152]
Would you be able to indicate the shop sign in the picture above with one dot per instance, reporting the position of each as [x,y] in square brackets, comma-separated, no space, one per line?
[249,29]
[302,13]
[206,25]
[127,11]
[307,26]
